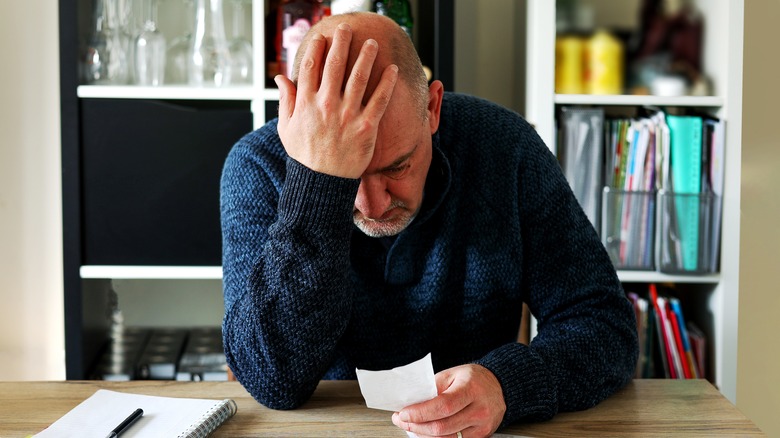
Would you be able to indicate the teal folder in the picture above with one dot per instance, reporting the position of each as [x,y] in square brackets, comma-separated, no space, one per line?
[685,151]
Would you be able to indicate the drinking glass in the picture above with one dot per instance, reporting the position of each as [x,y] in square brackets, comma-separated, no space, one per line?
[179,49]
[105,60]
[240,47]
[209,58]
[149,48]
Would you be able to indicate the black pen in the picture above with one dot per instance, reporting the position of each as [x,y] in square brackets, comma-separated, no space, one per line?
[127,423]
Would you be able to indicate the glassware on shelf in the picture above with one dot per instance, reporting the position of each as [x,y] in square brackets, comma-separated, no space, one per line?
[240,47]
[149,48]
[296,17]
[209,63]
[177,56]
[127,20]
[105,60]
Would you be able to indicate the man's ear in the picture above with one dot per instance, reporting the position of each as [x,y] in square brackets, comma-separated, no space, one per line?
[435,95]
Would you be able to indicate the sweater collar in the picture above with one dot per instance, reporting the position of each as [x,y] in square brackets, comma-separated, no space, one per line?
[437,184]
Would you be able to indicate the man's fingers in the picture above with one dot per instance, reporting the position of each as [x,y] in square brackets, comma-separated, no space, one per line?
[287,94]
[379,100]
[310,69]
[361,72]
[444,427]
[442,406]
[336,61]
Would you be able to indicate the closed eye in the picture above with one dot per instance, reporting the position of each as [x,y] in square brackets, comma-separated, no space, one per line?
[397,172]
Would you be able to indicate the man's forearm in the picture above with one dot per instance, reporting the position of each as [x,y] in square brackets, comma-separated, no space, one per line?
[282,329]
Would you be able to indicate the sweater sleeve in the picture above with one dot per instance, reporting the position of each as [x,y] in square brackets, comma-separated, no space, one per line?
[286,234]
[586,347]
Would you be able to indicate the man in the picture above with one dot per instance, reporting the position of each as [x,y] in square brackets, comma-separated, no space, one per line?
[380,219]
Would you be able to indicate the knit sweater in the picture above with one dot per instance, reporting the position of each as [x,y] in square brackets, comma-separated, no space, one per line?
[308,296]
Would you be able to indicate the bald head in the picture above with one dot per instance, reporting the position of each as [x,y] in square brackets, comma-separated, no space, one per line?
[395,47]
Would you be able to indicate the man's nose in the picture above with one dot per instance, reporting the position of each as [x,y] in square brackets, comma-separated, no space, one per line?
[372,199]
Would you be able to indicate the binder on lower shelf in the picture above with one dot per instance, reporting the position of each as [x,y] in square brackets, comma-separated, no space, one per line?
[138,353]
[119,361]
[204,356]
[161,355]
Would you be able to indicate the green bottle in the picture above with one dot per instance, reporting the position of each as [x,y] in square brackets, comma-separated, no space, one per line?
[398,10]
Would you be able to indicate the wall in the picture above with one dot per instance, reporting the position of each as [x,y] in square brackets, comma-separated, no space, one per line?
[31,307]
[489,50]
[31,321]
[758,380]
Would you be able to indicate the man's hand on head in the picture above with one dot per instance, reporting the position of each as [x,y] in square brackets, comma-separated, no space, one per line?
[323,123]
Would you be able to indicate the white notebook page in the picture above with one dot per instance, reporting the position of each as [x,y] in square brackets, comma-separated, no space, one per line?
[99,414]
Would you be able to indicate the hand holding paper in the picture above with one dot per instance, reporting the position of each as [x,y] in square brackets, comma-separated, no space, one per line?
[395,389]
[466,398]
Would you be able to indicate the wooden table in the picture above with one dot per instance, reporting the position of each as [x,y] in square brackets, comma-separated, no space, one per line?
[644,408]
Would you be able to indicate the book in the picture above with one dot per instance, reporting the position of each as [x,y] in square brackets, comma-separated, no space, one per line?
[686,162]
[662,349]
[684,366]
[698,342]
[633,170]
[684,339]
[664,333]
[679,345]
[716,170]
[163,416]
[644,317]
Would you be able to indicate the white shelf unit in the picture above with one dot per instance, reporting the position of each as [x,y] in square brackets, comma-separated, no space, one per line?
[177,92]
[589,99]
[151,272]
[88,283]
[89,294]
[257,94]
[722,62]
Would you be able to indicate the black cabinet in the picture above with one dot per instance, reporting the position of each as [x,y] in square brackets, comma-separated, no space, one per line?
[150,174]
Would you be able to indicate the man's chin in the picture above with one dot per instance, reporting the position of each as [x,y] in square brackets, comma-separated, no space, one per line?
[381,229]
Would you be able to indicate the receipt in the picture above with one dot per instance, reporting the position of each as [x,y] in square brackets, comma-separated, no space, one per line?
[395,389]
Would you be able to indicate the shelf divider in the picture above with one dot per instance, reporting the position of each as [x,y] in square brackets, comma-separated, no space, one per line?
[151,272]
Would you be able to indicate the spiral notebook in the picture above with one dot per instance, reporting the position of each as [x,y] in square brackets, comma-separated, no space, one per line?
[163,416]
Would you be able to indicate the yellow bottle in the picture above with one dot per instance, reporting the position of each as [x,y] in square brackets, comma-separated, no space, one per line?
[603,64]
[569,52]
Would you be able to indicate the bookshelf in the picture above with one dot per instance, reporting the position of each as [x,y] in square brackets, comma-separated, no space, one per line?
[714,297]
[141,169]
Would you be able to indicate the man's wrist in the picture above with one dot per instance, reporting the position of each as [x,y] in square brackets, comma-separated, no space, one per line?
[316,199]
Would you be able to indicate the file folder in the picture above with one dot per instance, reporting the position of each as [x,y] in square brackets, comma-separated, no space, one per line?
[686,159]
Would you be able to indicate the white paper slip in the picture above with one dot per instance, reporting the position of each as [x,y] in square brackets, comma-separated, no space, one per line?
[395,389]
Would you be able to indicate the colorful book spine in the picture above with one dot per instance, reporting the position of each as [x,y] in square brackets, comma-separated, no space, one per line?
[686,159]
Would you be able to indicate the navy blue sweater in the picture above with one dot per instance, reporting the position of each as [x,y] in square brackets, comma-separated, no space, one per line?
[309,297]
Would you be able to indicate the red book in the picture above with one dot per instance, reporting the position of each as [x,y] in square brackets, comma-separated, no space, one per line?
[664,330]
[678,340]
